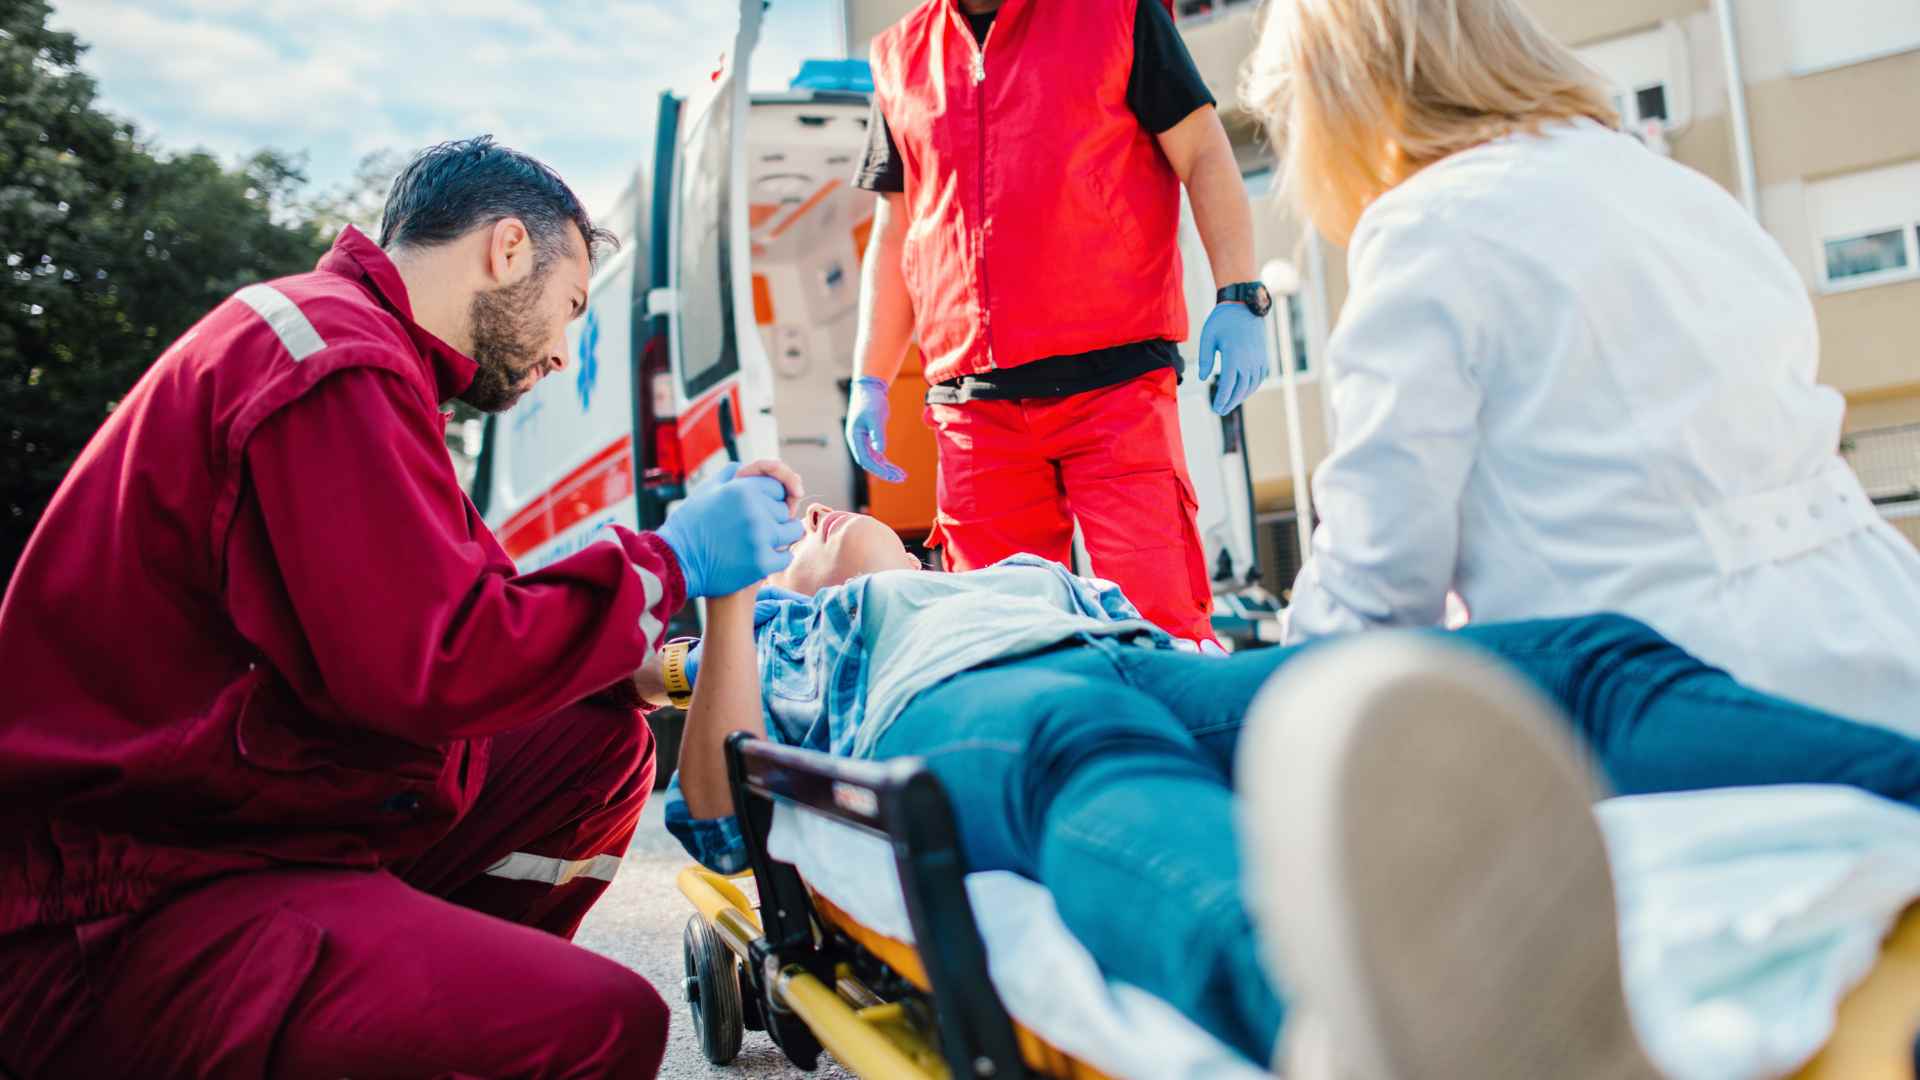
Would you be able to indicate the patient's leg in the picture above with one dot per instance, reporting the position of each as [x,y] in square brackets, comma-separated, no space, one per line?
[1655,718]
[1060,771]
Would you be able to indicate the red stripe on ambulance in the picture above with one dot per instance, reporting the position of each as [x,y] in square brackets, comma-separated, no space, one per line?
[700,426]
[601,481]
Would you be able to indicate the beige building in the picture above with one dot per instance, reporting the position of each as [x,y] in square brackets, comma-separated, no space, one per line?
[1822,141]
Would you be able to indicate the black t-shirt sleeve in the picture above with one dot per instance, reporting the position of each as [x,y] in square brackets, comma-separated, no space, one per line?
[880,168]
[1164,87]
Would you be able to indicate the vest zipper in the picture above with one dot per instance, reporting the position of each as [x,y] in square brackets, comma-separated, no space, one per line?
[980,110]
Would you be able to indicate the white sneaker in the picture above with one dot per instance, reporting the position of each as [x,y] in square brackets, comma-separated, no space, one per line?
[1426,873]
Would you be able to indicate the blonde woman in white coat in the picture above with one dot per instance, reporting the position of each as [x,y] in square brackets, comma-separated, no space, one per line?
[1571,375]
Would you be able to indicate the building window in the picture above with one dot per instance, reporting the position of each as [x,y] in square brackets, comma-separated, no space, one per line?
[1824,34]
[1297,324]
[1650,102]
[1874,253]
[1648,74]
[1867,226]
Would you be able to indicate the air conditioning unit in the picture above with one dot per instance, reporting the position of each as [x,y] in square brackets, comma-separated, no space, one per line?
[1279,552]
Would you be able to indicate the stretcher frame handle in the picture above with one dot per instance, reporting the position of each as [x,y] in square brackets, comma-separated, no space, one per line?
[904,802]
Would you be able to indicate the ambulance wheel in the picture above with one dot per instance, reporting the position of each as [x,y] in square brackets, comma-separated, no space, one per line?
[713,992]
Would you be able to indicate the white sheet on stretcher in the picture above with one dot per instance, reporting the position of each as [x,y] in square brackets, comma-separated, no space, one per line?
[1746,915]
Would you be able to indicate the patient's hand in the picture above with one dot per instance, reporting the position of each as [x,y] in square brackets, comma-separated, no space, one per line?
[780,471]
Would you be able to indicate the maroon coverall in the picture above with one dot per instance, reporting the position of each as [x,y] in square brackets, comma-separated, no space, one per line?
[297,776]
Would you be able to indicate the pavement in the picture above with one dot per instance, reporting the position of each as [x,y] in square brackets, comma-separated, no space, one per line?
[639,922]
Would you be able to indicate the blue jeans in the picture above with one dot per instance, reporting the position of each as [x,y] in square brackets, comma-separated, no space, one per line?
[1104,772]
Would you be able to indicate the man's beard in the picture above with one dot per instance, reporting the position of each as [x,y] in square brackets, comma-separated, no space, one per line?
[507,343]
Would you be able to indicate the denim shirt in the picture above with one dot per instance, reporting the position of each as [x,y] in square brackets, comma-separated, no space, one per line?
[838,668]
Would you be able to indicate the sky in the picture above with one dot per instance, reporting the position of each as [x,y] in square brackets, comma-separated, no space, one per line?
[575,84]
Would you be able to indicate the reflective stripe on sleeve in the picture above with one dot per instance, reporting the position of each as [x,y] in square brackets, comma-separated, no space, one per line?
[286,319]
[653,590]
[522,866]
[651,583]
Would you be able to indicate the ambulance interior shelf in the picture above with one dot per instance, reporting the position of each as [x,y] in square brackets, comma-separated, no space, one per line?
[809,231]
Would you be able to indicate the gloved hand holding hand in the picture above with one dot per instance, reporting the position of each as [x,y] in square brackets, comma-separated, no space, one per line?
[1239,336]
[781,471]
[867,428]
[731,532]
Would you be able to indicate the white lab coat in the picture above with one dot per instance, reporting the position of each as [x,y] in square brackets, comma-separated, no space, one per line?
[1573,376]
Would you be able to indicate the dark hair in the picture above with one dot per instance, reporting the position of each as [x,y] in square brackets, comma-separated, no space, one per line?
[449,190]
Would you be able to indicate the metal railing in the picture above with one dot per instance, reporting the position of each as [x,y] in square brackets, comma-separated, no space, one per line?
[1887,461]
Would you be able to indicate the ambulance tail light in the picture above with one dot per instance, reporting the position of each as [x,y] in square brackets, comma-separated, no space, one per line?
[660,420]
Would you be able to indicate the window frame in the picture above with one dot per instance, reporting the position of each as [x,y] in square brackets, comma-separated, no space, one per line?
[1304,369]
[1797,69]
[705,157]
[1661,51]
[1909,231]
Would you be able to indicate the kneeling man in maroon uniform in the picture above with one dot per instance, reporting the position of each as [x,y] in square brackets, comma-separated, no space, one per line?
[298,776]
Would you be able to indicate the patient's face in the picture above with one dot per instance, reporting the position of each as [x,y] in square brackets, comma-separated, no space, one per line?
[840,546]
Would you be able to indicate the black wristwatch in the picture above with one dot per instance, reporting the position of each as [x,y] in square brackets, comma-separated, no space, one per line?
[1251,293]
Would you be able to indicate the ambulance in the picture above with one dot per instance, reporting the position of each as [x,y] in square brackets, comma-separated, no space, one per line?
[723,330]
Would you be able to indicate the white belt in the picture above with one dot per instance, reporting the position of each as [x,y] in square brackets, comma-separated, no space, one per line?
[1776,525]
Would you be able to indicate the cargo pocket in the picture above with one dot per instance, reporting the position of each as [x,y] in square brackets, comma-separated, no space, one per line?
[941,540]
[329,774]
[278,953]
[277,735]
[1198,572]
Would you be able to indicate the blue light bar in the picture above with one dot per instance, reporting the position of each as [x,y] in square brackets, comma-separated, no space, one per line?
[845,75]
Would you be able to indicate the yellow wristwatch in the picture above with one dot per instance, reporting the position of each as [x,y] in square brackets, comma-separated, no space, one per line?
[673,671]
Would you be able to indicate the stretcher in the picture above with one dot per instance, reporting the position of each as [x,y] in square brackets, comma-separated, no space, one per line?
[846,977]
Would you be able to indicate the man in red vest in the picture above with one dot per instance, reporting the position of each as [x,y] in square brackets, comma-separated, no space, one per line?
[298,776]
[1029,156]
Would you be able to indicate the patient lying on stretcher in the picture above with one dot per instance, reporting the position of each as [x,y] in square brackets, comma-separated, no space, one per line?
[1396,860]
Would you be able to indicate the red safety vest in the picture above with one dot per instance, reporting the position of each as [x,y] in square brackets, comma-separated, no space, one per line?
[1044,218]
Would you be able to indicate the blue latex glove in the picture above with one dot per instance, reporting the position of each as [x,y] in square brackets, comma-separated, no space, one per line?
[1240,337]
[731,533]
[867,428]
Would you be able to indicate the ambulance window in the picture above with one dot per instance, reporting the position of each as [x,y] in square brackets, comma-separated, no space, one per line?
[706,301]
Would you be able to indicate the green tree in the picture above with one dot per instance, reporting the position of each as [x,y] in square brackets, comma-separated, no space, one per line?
[360,199]
[112,250]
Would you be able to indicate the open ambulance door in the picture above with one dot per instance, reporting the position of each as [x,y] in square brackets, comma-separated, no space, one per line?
[705,385]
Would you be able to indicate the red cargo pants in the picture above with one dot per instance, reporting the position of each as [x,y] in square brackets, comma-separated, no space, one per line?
[1016,475]
[455,965]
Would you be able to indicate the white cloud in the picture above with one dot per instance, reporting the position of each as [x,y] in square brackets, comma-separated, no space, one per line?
[575,84]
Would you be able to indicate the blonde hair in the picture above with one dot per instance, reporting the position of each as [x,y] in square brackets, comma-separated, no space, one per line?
[1358,95]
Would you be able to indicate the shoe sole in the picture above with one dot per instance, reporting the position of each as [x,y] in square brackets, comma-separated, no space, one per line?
[1426,872]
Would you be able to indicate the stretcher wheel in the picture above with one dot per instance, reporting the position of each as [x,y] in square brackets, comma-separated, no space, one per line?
[713,992]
